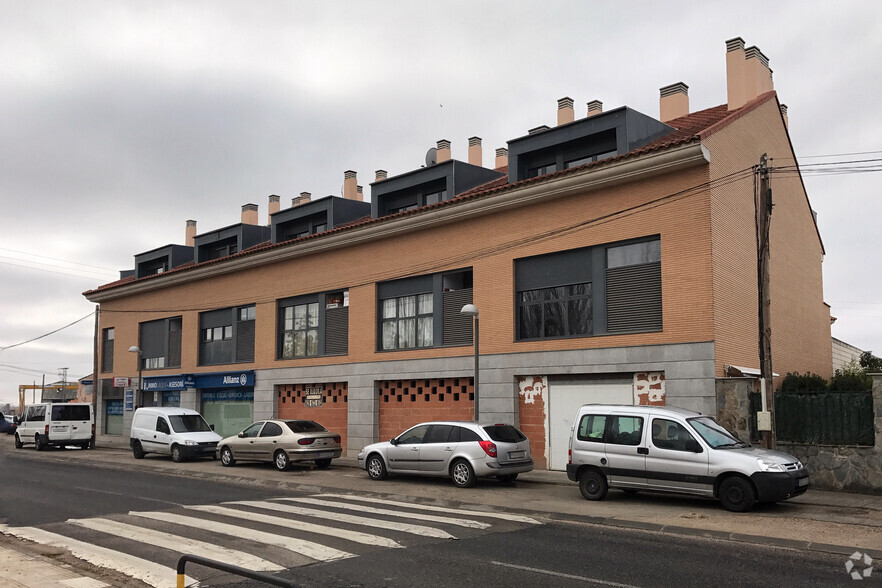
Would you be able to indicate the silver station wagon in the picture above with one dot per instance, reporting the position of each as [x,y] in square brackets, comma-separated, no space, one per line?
[463,451]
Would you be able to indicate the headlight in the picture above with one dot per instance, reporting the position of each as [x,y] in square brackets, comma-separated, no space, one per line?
[189,442]
[769,466]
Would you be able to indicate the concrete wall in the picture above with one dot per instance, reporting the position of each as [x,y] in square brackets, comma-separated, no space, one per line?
[848,468]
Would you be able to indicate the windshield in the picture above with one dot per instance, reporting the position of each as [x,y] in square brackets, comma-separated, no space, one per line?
[188,423]
[714,434]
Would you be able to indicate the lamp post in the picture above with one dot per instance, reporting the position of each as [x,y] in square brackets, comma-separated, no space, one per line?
[472,310]
[136,349]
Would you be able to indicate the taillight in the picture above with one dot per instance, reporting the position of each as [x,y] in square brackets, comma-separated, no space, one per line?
[305,441]
[93,429]
[336,438]
[569,456]
[46,430]
[489,447]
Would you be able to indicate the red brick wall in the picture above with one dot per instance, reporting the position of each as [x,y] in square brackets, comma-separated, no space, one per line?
[405,403]
[332,414]
[531,406]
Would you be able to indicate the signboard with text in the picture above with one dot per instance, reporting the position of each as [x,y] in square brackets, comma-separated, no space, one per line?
[313,396]
[130,399]
[120,382]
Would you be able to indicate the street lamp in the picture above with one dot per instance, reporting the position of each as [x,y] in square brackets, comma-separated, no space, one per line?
[472,310]
[136,349]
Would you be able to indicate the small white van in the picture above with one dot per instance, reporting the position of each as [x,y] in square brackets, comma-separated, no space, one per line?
[674,450]
[179,432]
[59,424]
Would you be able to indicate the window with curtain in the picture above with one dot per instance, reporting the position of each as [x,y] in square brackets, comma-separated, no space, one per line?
[407,322]
[300,325]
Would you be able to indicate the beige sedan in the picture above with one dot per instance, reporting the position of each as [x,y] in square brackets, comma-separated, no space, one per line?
[281,442]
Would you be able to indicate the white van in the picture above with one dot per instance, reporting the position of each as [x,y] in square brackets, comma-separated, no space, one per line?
[179,432]
[58,424]
[674,450]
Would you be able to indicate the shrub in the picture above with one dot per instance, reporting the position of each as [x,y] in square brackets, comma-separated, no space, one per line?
[808,382]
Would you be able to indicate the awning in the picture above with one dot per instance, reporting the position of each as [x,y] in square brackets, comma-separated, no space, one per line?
[744,371]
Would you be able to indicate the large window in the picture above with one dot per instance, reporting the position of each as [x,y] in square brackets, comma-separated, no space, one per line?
[408,321]
[315,324]
[160,343]
[227,335]
[561,311]
[107,336]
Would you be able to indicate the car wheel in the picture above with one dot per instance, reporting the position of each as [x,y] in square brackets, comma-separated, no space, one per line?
[91,444]
[226,457]
[137,450]
[593,485]
[18,443]
[462,474]
[376,468]
[176,454]
[280,459]
[508,478]
[322,463]
[736,494]
[38,445]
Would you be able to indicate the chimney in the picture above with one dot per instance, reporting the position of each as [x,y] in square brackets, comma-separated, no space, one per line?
[350,185]
[360,191]
[758,71]
[673,101]
[442,152]
[302,199]
[565,112]
[381,175]
[274,205]
[538,129]
[190,235]
[501,157]
[249,214]
[784,115]
[595,107]
[476,156]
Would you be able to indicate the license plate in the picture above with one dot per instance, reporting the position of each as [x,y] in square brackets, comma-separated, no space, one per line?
[515,454]
[802,482]
[326,454]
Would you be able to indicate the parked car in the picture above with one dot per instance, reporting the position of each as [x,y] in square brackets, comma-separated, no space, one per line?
[282,442]
[464,451]
[179,432]
[8,424]
[675,450]
[58,424]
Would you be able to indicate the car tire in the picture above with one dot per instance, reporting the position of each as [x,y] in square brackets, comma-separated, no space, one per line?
[281,461]
[38,445]
[226,457]
[176,454]
[462,474]
[592,485]
[91,444]
[736,494]
[322,463]
[507,478]
[18,443]
[376,467]
[137,450]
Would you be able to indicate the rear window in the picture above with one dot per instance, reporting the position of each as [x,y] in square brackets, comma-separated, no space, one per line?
[305,427]
[70,412]
[188,423]
[505,433]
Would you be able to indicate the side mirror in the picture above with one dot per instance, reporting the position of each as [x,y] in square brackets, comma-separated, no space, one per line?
[693,446]
[393,441]
[211,427]
[240,435]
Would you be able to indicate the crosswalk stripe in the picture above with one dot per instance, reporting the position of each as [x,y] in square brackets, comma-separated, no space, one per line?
[391,513]
[178,543]
[307,548]
[356,520]
[140,569]
[364,538]
[495,515]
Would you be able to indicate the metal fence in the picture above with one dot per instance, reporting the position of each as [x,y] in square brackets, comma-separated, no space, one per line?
[825,418]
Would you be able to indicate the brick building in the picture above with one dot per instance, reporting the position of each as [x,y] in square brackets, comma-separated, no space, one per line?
[612,258]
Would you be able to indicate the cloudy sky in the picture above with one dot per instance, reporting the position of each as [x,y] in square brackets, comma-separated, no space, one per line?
[120,120]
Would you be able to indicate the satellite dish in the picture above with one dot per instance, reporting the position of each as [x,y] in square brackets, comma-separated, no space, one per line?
[431,156]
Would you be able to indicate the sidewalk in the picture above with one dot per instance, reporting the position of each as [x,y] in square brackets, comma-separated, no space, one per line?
[20,570]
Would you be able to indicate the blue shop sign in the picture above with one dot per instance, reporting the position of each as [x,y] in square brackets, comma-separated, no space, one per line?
[228,396]
[129,399]
[224,380]
[158,383]
[114,407]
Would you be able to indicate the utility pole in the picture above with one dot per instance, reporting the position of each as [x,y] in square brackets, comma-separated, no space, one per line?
[95,366]
[765,419]
[63,383]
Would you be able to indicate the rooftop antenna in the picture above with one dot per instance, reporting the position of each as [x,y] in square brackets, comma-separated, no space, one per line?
[431,157]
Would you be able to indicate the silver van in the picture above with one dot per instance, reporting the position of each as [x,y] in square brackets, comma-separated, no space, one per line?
[179,432]
[58,424]
[675,450]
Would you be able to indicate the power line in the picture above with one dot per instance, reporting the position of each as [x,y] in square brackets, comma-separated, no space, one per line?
[92,277]
[47,334]
[113,271]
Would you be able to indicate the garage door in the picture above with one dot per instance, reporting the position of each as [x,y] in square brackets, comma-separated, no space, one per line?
[565,396]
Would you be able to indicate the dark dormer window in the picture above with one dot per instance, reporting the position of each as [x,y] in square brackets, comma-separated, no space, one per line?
[541,170]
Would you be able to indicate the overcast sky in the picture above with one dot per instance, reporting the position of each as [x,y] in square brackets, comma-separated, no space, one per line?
[121,120]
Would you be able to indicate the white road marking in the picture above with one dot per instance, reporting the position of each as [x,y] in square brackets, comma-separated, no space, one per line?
[421,530]
[308,548]
[561,575]
[392,513]
[178,543]
[495,515]
[365,538]
[140,569]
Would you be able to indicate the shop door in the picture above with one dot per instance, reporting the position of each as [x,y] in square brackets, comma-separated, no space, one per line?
[565,396]
[229,411]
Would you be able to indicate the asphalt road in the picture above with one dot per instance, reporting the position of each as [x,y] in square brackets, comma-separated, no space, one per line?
[47,493]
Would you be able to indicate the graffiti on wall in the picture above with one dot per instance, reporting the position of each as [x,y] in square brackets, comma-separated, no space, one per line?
[531,386]
[649,388]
